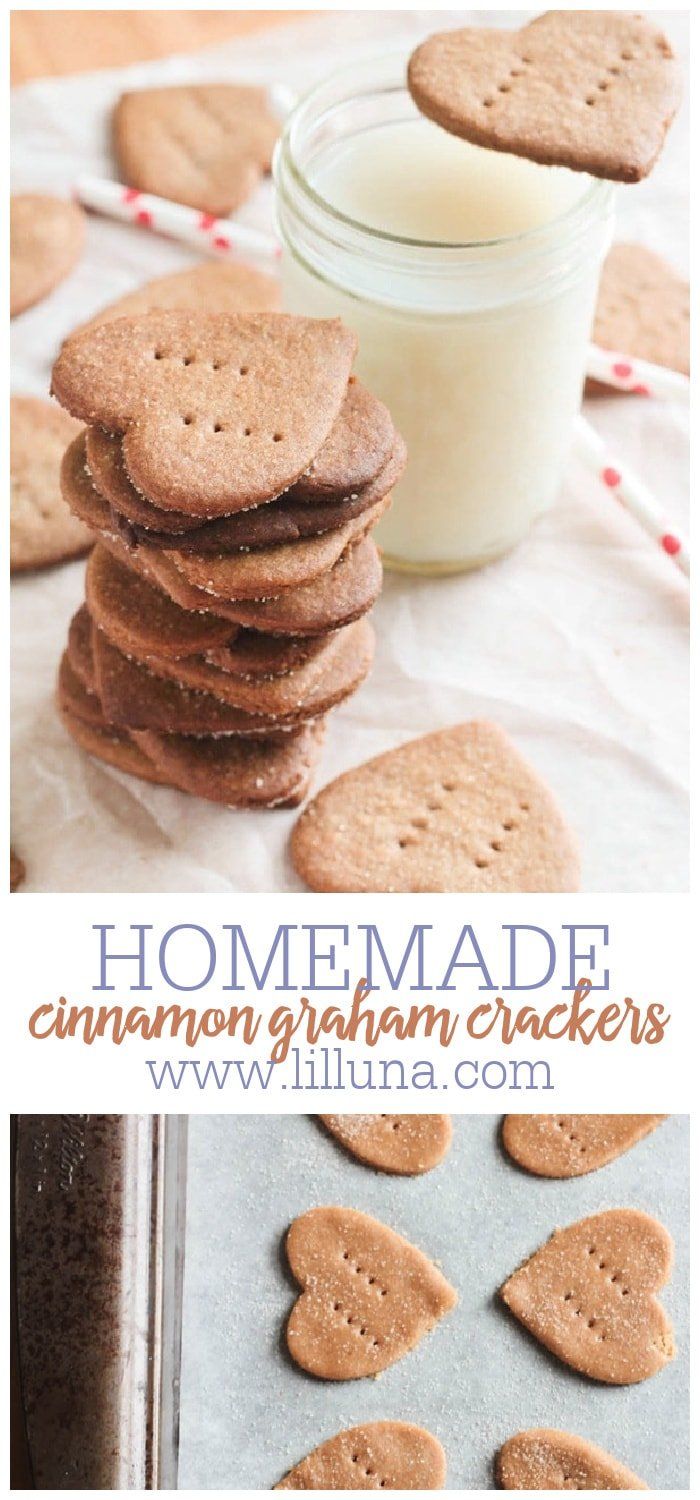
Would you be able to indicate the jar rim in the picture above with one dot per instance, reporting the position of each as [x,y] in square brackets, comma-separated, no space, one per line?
[287,146]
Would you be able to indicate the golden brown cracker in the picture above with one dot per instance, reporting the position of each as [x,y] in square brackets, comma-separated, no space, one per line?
[589,1295]
[571,1145]
[592,90]
[237,772]
[456,810]
[643,311]
[42,530]
[368,1296]
[543,1459]
[206,145]
[46,241]
[218,412]
[376,1455]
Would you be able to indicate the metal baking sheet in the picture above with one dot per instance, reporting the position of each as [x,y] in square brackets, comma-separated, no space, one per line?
[248,1413]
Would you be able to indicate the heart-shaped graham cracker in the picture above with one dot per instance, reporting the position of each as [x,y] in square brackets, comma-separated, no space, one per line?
[543,1459]
[336,598]
[406,1144]
[42,529]
[593,90]
[238,772]
[377,1455]
[233,771]
[571,1145]
[267,572]
[307,691]
[643,310]
[143,621]
[283,520]
[192,697]
[46,241]
[218,412]
[213,286]
[457,810]
[589,1296]
[204,144]
[368,1295]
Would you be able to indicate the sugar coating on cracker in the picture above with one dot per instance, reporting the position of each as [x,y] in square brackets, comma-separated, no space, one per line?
[589,1295]
[375,1455]
[405,1144]
[456,810]
[572,1145]
[546,1459]
[368,1296]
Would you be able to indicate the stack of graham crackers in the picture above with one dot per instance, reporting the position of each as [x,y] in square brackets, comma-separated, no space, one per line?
[232,471]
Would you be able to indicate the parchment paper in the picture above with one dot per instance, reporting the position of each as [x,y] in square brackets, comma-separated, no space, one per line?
[249,1413]
[576,643]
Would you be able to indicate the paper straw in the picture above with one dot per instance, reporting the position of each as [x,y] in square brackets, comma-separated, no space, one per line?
[222,237]
[632,494]
[636,376]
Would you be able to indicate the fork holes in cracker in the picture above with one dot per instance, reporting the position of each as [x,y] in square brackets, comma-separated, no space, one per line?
[218,427]
[187,421]
[481,864]
[278,437]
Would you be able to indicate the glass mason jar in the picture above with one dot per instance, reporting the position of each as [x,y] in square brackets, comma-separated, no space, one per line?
[478,349]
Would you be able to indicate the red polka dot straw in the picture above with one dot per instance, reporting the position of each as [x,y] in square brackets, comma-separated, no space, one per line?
[203,231]
[638,377]
[632,495]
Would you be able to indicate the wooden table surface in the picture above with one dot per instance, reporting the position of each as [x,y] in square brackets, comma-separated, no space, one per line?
[48,43]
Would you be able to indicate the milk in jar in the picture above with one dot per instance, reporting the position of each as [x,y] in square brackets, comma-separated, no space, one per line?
[470,279]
